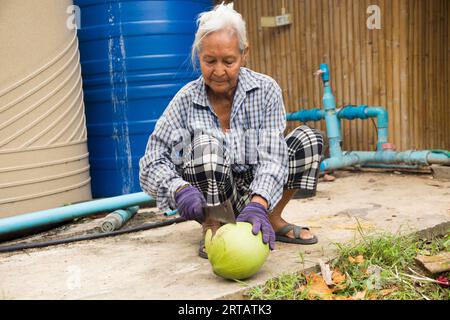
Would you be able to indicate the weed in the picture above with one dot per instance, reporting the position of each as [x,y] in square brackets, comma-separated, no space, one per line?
[302,258]
[379,266]
[284,287]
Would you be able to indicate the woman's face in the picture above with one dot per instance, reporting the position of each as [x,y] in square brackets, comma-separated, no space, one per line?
[220,60]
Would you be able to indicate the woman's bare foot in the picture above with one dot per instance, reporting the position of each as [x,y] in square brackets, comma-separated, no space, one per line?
[277,223]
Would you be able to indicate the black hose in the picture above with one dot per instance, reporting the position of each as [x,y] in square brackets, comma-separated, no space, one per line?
[30,245]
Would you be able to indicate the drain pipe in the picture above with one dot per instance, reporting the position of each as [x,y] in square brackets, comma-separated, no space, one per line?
[27,223]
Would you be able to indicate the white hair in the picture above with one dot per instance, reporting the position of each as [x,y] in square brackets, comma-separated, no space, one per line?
[222,17]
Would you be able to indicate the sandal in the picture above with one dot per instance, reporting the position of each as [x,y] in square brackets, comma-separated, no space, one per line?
[280,235]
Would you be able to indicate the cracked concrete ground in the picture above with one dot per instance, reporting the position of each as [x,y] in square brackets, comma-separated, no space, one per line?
[163,263]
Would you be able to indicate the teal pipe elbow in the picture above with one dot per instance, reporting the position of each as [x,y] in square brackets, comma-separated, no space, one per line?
[382,124]
[339,162]
[38,219]
[364,112]
[439,157]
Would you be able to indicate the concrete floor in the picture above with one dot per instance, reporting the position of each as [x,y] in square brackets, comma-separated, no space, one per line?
[163,263]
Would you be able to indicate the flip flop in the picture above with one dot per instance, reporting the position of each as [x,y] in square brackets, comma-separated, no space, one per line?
[201,250]
[280,235]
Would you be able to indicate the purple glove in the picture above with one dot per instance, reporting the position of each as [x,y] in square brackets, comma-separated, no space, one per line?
[256,214]
[190,203]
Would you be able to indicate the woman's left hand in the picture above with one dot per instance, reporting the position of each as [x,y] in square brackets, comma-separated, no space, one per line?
[256,214]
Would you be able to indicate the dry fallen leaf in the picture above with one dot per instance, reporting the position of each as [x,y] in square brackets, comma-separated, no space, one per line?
[337,277]
[339,280]
[372,296]
[317,288]
[385,292]
[359,295]
[343,298]
[358,259]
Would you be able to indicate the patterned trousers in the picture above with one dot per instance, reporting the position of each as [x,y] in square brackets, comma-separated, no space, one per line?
[218,181]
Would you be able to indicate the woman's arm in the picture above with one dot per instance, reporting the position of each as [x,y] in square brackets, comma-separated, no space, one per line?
[260,200]
[271,171]
[157,172]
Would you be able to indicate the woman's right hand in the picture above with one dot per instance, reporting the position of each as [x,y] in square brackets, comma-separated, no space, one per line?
[190,203]
[256,214]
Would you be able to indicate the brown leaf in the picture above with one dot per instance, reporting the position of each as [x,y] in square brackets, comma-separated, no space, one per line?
[343,298]
[337,277]
[358,259]
[317,288]
[386,292]
[372,296]
[359,295]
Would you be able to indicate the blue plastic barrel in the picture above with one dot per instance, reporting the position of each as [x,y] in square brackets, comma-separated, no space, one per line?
[135,56]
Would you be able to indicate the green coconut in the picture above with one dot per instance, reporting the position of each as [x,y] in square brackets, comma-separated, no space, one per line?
[234,252]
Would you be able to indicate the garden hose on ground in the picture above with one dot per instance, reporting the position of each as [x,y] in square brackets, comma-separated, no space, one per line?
[30,245]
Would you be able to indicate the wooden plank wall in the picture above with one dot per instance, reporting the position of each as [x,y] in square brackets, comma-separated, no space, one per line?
[404,66]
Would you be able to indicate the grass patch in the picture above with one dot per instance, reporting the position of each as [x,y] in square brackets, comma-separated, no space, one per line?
[379,266]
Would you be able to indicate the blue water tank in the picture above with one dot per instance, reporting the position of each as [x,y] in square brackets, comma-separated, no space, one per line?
[135,56]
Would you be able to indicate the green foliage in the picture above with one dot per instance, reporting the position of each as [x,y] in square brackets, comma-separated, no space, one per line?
[387,271]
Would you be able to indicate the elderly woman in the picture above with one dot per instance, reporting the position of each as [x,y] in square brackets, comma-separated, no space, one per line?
[222,138]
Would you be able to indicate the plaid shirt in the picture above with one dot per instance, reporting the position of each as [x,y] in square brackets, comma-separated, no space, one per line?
[257,105]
